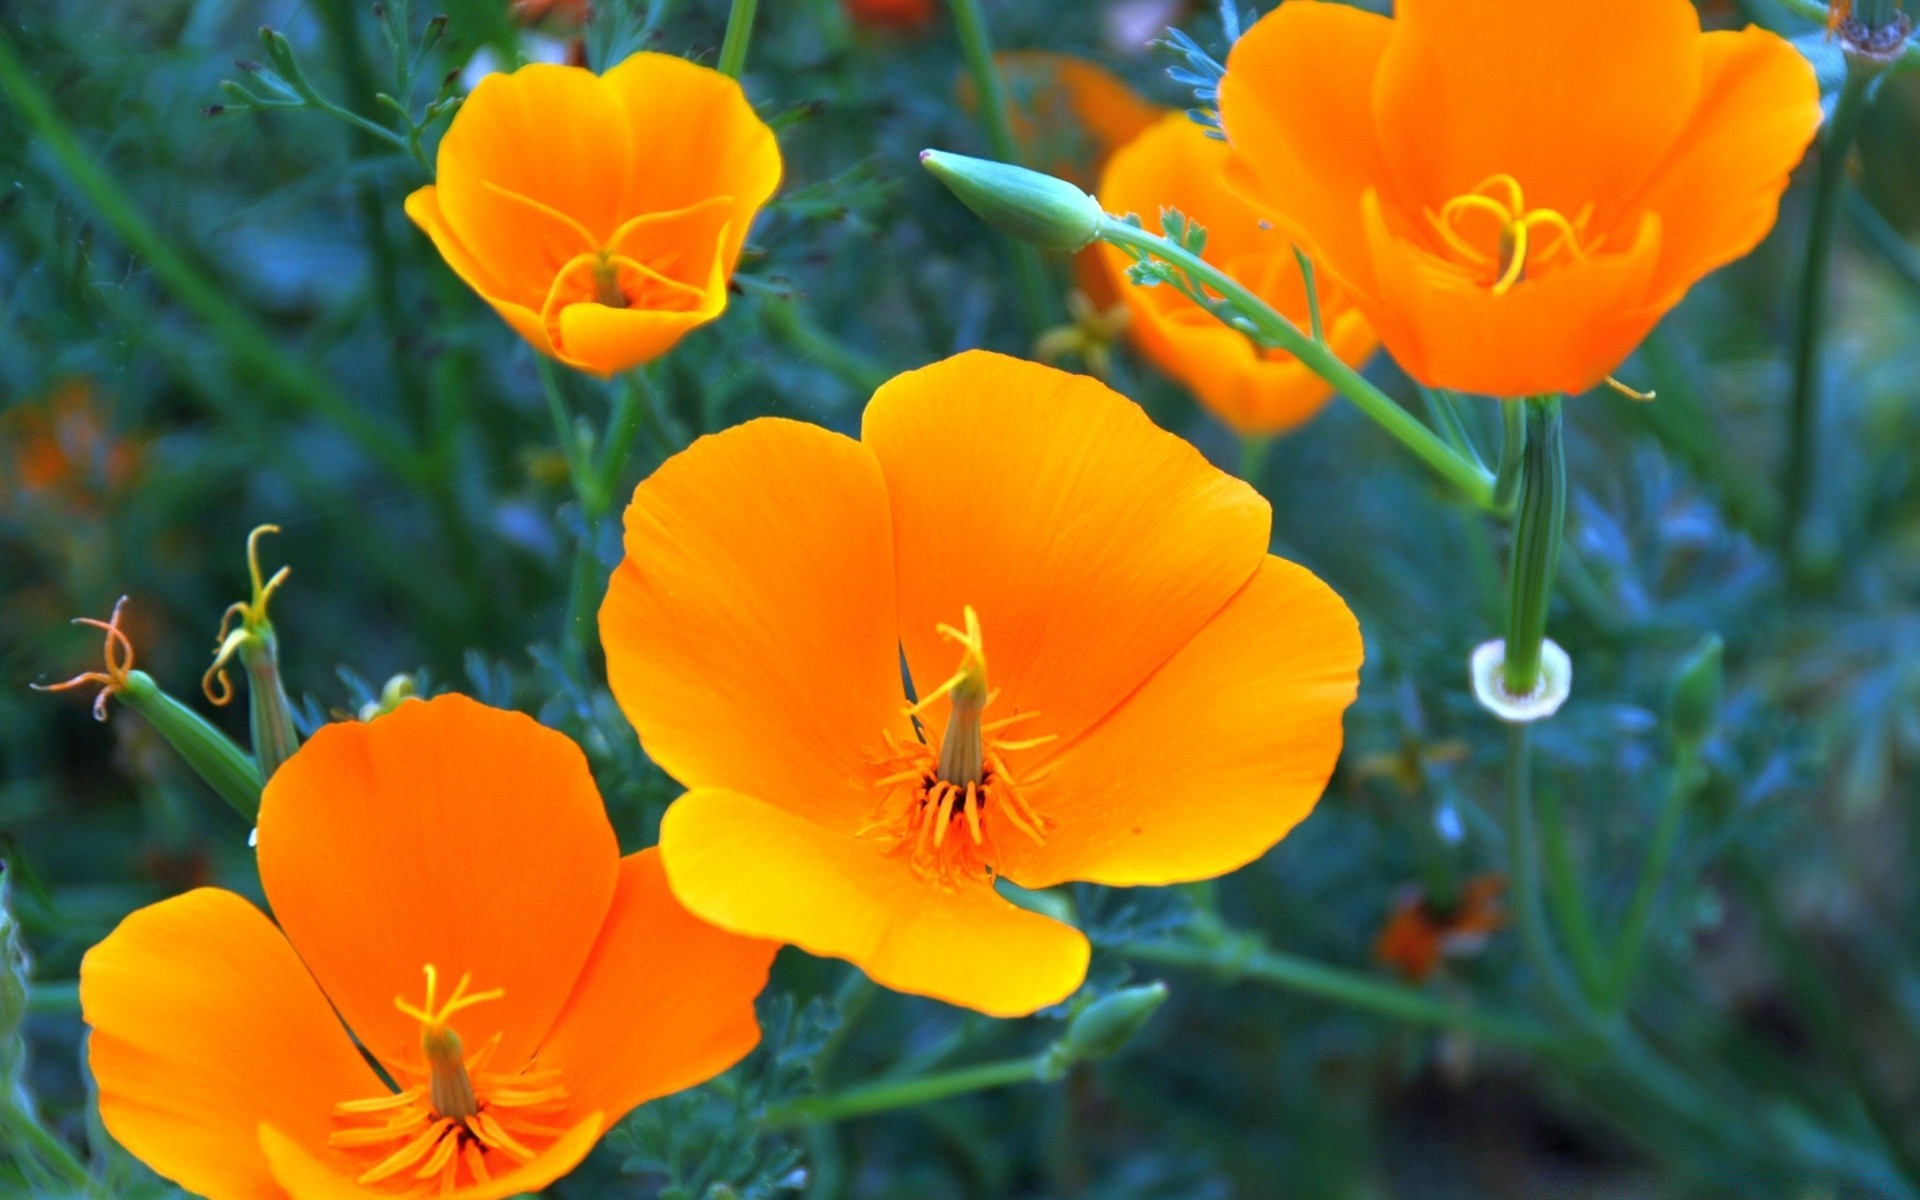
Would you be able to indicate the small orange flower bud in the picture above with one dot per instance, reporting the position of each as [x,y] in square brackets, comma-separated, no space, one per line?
[601,216]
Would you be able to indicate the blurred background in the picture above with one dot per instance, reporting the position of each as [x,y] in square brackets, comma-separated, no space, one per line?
[213,318]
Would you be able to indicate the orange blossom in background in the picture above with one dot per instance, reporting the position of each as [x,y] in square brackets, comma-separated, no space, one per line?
[1176,165]
[450,897]
[1116,682]
[1514,193]
[600,215]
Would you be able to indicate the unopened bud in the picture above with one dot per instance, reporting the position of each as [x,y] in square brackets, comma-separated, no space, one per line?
[397,691]
[1693,708]
[1051,213]
[1103,1028]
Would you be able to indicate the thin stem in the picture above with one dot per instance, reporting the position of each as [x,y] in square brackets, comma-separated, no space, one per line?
[733,50]
[1271,328]
[19,1128]
[1253,456]
[1523,874]
[1242,958]
[1564,897]
[1687,777]
[623,429]
[866,1099]
[1513,447]
[1538,525]
[244,338]
[564,431]
[61,998]
[976,46]
[1803,409]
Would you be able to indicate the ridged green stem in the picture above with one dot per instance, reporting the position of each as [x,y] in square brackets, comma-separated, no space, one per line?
[1538,524]
[1810,313]
[733,50]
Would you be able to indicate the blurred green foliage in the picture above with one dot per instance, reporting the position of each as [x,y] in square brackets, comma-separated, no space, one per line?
[211,321]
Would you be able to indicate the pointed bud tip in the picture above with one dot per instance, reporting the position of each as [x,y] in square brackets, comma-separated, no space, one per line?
[1050,213]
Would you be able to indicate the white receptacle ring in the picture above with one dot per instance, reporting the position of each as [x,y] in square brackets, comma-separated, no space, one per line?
[1489,675]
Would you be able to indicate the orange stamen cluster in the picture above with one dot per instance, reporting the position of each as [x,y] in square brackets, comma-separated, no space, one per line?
[925,794]
[1494,234]
[453,1122]
[117,664]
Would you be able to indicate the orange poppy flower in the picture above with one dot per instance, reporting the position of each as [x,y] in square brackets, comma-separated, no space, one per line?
[900,15]
[1115,681]
[1175,164]
[601,216]
[1514,193]
[447,885]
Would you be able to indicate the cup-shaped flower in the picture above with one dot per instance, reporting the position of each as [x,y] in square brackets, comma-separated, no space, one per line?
[1112,680]
[1176,165]
[600,215]
[1514,193]
[450,898]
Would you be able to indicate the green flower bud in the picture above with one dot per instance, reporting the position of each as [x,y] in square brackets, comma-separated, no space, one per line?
[1051,213]
[1103,1028]
[1693,706]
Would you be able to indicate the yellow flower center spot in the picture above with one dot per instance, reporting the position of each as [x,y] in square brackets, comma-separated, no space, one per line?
[925,794]
[451,1123]
[1491,231]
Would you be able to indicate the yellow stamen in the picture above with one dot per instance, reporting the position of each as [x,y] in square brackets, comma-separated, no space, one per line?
[1631,394]
[1517,249]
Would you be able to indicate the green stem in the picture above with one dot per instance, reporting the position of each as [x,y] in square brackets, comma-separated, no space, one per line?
[61,998]
[1271,328]
[1687,777]
[19,1128]
[1564,898]
[787,321]
[629,416]
[885,1096]
[1523,875]
[1803,409]
[1253,456]
[1538,525]
[976,46]
[1513,447]
[564,431]
[243,337]
[1241,958]
[733,50]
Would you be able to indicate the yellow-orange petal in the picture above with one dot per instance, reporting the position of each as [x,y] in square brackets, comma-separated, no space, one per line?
[605,341]
[1091,543]
[423,206]
[757,870]
[1564,332]
[447,833]
[309,1171]
[534,169]
[1719,191]
[665,1002]
[750,630]
[1215,758]
[1176,165]
[695,137]
[1297,106]
[1575,108]
[205,1023]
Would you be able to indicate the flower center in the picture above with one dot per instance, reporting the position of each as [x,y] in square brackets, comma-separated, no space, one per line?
[1492,232]
[924,795]
[451,1122]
